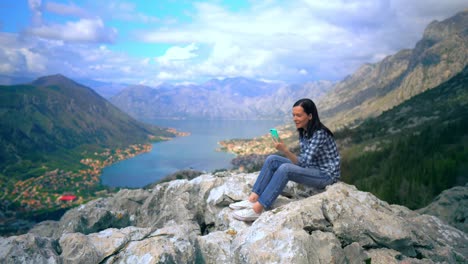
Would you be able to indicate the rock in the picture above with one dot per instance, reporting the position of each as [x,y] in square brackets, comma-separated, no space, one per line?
[77,248]
[354,254]
[451,206]
[29,248]
[116,212]
[174,243]
[45,229]
[186,221]
[94,248]
[216,247]
[360,217]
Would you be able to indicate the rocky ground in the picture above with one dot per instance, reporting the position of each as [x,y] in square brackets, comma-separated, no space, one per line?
[190,222]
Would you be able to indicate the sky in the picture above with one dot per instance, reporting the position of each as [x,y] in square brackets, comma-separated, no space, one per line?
[151,42]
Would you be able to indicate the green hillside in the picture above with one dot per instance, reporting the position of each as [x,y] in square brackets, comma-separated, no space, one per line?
[53,122]
[56,136]
[411,153]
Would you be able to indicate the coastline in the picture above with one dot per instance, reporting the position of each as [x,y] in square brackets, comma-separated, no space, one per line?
[27,201]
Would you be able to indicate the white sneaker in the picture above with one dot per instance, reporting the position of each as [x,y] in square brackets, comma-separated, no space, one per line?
[246,215]
[241,205]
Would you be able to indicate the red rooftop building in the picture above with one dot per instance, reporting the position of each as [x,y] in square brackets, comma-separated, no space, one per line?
[67,198]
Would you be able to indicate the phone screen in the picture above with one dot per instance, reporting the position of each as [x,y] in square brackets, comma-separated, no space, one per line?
[274,134]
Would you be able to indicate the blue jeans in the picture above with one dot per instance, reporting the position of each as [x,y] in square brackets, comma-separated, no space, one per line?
[275,174]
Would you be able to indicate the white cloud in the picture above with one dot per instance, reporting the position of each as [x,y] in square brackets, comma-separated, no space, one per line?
[35,62]
[36,6]
[177,53]
[146,61]
[65,10]
[120,10]
[290,41]
[261,44]
[32,56]
[326,39]
[84,30]
[18,57]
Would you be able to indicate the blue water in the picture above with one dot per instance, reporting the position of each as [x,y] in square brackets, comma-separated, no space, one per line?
[197,151]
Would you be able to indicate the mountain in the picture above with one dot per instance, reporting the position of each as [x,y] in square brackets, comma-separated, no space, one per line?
[407,155]
[374,88]
[338,225]
[54,119]
[231,98]
[411,153]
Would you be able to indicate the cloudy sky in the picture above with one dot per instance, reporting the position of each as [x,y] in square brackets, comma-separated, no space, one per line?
[150,42]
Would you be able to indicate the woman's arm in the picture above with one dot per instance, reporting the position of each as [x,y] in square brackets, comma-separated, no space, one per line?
[283,148]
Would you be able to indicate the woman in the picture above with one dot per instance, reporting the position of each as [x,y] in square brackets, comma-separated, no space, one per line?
[317,165]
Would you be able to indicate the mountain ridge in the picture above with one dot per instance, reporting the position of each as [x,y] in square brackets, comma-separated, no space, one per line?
[231,98]
[373,88]
[55,112]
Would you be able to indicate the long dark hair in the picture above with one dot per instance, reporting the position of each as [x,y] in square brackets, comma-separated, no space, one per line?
[314,124]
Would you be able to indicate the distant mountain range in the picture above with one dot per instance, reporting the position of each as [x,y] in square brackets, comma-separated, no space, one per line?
[374,88]
[232,98]
[51,118]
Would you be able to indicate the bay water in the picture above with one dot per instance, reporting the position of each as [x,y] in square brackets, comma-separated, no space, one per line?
[198,151]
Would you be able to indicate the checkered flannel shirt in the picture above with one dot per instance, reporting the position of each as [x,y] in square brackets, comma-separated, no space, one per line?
[320,151]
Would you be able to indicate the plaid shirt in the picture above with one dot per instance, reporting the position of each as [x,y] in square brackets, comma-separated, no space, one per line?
[320,152]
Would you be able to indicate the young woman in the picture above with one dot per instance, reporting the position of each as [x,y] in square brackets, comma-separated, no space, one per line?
[317,165]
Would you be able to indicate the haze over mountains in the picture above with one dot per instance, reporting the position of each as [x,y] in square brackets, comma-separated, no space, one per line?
[231,98]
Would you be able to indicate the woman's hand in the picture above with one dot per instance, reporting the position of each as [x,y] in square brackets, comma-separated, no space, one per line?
[279,145]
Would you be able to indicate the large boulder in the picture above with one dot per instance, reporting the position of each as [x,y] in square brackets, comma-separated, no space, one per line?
[451,206]
[186,221]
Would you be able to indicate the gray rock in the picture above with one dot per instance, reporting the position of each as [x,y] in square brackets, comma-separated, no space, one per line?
[355,254]
[45,229]
[190,222]
[96,247]
[29,248]
[173,243]
[216,247]
[451,206]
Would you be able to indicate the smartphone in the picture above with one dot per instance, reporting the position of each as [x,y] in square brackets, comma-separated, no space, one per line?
[274,134]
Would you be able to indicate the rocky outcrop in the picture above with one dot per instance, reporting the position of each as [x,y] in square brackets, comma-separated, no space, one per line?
[190,222]
[451,206]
